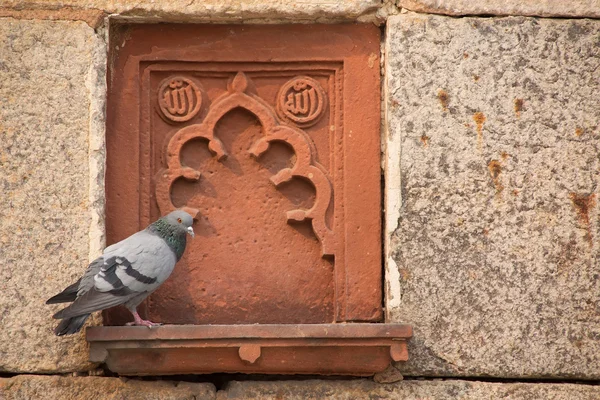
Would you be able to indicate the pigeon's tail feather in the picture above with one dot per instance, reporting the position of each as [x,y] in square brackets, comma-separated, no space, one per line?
[69,326]
[66,296]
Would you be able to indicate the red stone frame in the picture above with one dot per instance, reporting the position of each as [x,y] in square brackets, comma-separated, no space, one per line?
[286,114]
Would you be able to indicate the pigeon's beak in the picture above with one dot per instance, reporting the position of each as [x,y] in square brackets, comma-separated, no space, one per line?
[191,231]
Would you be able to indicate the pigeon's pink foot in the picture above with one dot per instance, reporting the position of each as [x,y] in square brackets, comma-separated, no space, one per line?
[138,321]
[143,322]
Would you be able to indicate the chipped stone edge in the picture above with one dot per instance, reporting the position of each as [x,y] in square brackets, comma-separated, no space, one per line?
[96,85]
[392,197]
[379,16]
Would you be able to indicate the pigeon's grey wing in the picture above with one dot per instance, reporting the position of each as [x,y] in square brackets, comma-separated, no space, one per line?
[66,296]
[93,300]
[141,263]
[138,266]
[82,285]
[87,280]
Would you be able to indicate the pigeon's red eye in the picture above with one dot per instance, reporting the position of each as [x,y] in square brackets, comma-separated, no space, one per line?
[179,220]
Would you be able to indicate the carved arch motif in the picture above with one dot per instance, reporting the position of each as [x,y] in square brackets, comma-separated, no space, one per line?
[305,166]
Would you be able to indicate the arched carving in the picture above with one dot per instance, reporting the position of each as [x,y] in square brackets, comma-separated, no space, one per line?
[305,166]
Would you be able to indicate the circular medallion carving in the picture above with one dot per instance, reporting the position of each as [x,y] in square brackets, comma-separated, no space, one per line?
[179,98]
[301,100]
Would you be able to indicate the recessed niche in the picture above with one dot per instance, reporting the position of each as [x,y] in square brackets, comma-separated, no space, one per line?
[270,136]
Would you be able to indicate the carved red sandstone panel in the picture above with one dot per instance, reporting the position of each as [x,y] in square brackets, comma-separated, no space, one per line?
[270,134]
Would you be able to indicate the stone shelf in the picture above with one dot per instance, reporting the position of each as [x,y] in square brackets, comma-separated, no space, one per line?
[359,349]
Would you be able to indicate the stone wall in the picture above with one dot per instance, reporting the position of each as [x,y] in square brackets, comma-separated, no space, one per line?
[492,161]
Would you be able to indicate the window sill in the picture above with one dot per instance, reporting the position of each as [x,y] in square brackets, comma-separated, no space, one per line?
[360,349]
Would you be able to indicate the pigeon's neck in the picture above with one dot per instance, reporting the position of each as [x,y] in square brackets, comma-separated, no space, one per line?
[174,238]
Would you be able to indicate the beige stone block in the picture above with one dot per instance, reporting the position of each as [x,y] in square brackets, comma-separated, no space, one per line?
[49,138]
[546,8]
[493,161]
[405,390]
[205,10]
[88,388]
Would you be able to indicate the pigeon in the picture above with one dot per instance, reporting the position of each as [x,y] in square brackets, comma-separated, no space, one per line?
[126,273]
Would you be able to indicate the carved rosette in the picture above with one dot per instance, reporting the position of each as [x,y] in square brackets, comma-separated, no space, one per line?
[302,101]
[305,166]
[179,99]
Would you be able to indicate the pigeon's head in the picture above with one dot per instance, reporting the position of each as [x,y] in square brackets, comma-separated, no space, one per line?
[181,221]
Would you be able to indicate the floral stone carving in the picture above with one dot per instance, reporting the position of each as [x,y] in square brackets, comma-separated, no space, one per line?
[305,165]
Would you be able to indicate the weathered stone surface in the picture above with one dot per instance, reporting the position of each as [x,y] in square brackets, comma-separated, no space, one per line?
[494,125]
[548,8]
[405,390]
[45,209]
[207,10]
[75,388]
[80,388]
[92,17]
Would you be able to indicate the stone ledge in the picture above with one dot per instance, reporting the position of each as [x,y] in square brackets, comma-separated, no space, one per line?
[534,8]
[360,349]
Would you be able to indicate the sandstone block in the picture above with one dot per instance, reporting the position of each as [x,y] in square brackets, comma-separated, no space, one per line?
[493,156]
[84,388]
[206,10]
[548,8]
[45,209]
[405,390]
